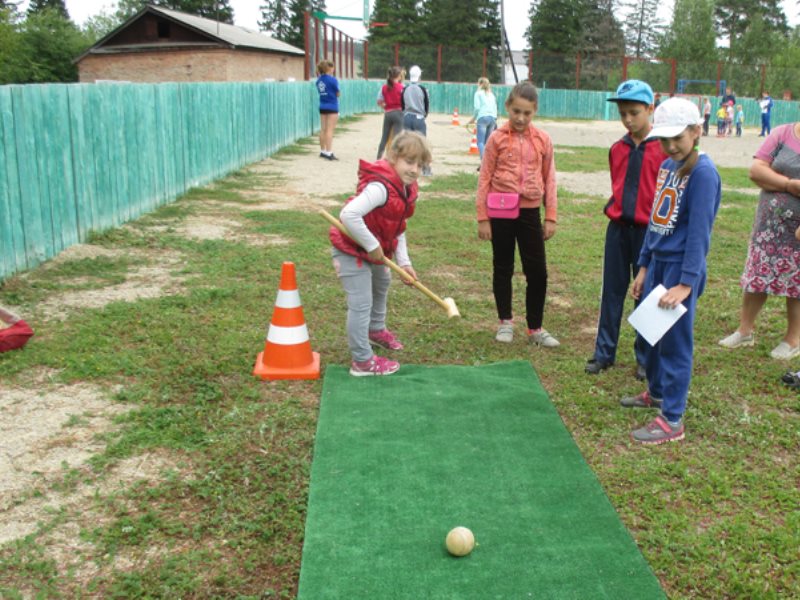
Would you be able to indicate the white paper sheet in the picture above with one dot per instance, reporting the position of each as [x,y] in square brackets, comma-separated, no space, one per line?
[651,321]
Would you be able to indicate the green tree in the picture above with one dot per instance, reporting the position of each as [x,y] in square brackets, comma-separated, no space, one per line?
[464,38]
[561,31]
[99,25]
[285,19]
[691,39]
[210,9]
[37,6]
[736,17]
[49,43]
[403,18]
[12,67]
[781,75]
[601,45]
[642,28]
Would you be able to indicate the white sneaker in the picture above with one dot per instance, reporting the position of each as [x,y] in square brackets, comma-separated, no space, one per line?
[543,338]
[784,351]
[737,340]
[505,332]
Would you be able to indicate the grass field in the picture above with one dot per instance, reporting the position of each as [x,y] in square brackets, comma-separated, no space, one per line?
[717,516]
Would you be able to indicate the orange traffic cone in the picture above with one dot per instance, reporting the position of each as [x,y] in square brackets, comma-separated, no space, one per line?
[455,117]
[473,146]
[287,352]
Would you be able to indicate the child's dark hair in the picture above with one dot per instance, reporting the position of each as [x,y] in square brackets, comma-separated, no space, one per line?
[392,74]
[525,90]
[324,66]
[412,146]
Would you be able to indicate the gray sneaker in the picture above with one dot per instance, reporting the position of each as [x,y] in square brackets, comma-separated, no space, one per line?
[544,339]
[505,332]
[737,340]
[659,431]
[643,400]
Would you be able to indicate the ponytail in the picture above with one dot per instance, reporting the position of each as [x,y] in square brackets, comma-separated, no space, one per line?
[391,74]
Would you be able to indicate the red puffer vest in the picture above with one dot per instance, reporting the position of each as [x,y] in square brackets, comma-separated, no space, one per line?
[387,221]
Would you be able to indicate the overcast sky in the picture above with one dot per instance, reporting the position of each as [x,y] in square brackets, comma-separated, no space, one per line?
[247,13]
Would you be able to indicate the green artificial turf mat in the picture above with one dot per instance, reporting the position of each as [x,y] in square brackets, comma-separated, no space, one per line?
[400,460]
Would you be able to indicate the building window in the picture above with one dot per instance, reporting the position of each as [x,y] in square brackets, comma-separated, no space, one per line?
[163,29]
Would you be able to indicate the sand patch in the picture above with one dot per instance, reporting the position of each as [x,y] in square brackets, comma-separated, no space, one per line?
[45,431]
[155,276]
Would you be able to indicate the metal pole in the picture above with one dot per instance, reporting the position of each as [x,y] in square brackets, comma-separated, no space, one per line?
[502,43]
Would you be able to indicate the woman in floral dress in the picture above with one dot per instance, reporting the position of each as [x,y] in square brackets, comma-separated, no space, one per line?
[773,259]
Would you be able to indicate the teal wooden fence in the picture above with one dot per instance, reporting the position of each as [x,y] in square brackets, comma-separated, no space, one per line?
[82,158]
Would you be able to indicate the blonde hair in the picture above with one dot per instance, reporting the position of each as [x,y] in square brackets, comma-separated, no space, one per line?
[412,146]
[484,84]
[324,66]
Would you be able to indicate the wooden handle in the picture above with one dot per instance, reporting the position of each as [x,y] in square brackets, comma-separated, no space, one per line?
[389,263]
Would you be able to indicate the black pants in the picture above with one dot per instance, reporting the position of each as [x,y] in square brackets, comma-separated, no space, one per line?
[525,232]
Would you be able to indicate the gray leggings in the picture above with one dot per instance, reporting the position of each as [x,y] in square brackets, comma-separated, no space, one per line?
[367,287]
[392,125]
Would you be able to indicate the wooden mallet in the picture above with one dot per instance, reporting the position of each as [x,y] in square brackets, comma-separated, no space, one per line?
[448,304]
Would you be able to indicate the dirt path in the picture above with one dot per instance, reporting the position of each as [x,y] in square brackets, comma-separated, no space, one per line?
[305,173]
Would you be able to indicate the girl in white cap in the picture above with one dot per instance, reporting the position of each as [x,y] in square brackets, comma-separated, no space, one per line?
[688,192]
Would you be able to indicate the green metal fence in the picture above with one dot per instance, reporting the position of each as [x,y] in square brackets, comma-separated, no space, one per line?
[82,158]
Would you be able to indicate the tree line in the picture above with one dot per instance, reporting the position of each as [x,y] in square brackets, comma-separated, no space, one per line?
[741,35]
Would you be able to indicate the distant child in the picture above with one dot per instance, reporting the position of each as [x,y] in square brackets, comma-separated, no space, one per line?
[376,219]
[706,115]
[484,114]
[389,99]
[765,104]
[634,161]
[739,120]
[729,114]
[415,103]
[14,332]
[518,162]
[328,89]
[722,114]
[688,192]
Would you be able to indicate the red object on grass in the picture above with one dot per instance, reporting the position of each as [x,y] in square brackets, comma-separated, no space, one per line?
[16,336]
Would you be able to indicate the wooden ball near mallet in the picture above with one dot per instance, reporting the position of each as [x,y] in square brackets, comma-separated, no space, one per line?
[460,541]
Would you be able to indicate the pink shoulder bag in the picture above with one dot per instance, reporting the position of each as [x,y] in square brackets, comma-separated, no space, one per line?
[505,205]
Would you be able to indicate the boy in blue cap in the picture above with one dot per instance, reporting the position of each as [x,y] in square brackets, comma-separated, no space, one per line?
[633,162]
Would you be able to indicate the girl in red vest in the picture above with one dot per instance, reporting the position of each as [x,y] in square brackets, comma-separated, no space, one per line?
[376,219]
[389,99]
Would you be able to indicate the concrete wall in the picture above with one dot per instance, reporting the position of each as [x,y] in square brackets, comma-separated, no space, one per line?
[190,65]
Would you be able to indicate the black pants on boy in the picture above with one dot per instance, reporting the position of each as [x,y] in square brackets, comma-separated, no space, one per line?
[526,233]
[620,266]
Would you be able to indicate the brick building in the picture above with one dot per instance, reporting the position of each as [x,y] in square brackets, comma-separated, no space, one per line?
[158,44]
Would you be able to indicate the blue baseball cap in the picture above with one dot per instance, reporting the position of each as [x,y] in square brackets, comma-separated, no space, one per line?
[633,90]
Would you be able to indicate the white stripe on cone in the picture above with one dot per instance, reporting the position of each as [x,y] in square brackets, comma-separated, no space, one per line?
[288,299]
[287,336]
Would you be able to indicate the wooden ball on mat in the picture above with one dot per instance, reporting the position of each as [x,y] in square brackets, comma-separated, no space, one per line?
[460,541]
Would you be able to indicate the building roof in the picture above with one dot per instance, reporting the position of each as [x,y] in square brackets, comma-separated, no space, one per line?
[218,33]
[231,34]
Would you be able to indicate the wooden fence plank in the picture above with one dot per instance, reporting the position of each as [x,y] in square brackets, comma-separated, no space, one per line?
[12,240]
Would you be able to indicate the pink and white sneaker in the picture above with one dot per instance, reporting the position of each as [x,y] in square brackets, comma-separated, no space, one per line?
[377,365]
[385,339]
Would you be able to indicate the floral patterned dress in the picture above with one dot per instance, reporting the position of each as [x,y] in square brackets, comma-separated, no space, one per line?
[773,259]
